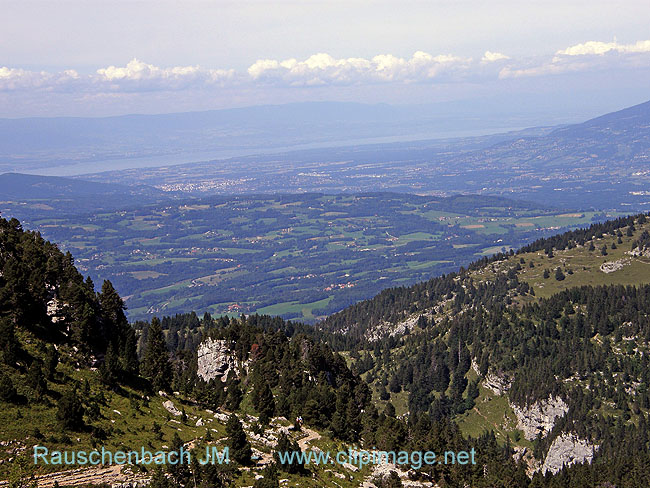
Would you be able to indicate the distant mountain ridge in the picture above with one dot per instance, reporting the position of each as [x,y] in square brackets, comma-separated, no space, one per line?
[22,192]
[24,186]
[598,164]
[635,116]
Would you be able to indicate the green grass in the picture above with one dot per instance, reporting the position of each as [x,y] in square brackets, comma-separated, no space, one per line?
[585,265]
[491,413]
[306,309]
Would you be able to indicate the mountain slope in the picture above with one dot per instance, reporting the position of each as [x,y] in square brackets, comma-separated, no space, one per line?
[548,347]
[532,372]
[68,371]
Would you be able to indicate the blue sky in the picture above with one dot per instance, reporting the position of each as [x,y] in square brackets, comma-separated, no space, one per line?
[98,57]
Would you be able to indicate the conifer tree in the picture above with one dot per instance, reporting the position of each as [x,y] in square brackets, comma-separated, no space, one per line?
[286,445]
[7,389]
[234,396]
[36,380]
[238,445]
[51,361]
[8,343]
[70,411]
[155,365]
[117,329]
[263,400]
[109,370]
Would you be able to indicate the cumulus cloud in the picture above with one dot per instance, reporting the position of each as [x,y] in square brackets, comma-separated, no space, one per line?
[323,69]
[19,79]
[600,48]
[588,56]
[138,76]
[135,76]
[490,57]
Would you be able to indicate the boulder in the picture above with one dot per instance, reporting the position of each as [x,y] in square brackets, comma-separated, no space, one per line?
[171,408]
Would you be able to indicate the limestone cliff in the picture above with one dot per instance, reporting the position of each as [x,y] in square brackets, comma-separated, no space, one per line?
[539,417]
[216,360]
[565,450]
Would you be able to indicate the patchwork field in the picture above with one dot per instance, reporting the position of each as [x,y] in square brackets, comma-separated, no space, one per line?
[298,256]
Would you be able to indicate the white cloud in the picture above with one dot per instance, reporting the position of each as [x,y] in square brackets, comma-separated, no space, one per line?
[600,48]
[19,79]
[137,75]
[553,68]
[322,68]
[585,57]
[490,57]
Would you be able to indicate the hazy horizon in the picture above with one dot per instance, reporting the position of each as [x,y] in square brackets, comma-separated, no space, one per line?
[99,58]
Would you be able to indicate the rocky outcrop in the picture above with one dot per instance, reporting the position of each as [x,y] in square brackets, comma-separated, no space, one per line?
[565,450]
[611,266]
[540,416]
[638,252]
[171,408]
[55,310]
[385,329]
[216,360]
[525,455]
[497,383]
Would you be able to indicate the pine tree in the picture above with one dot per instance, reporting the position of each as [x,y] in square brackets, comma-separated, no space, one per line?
[234,396]
[159,480]
[263,400]
[36,380]
[70,411]
[7,389]
[51,362]
[118,330]
[155,365]
[180,472]
[8,343]
[286,445]
[238,445]
[109,370]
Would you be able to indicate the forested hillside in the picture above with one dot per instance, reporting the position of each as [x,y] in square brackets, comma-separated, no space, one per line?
[545,345]
[536,359]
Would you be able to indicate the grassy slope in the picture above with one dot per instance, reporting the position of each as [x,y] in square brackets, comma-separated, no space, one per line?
[129,416]
[492,412]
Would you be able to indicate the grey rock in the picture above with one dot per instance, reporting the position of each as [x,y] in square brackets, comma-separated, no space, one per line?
[215,359]
[565,450]
[171,408]
[540,416]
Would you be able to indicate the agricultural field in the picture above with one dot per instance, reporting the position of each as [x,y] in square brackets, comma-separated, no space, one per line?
[298,256]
